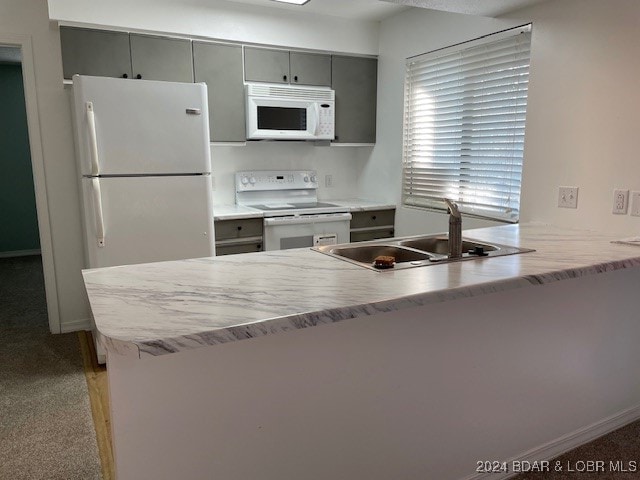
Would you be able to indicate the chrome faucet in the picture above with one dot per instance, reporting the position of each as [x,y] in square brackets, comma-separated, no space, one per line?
[455,230]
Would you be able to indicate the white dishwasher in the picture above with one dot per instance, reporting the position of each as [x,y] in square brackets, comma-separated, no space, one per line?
[293,216]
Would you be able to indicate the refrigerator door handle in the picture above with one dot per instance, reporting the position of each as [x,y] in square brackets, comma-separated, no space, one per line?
[97,207]
[93,140]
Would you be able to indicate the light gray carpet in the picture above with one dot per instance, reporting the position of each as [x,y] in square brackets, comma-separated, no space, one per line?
[46,428]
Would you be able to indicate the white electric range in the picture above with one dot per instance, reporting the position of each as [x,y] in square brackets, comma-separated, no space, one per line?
[293,216]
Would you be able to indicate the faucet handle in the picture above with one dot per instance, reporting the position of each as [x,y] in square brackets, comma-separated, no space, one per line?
[453,208]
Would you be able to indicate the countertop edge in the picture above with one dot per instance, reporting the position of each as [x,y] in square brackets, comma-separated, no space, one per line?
[334,315]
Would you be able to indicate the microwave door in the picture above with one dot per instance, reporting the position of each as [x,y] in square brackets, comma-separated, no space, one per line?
[269,118]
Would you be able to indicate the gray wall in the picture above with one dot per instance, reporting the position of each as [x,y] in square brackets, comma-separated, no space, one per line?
[18,218]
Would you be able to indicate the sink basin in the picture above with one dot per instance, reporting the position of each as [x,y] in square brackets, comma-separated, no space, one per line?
[415,251]
[440,245]
[368,253]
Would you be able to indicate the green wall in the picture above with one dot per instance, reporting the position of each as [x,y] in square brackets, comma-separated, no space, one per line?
[18,219]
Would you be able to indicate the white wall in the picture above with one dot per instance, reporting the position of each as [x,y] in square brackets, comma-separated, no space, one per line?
[225,20]
[579,133]
[582,119]
[344,164]
[30,17]
[404,35]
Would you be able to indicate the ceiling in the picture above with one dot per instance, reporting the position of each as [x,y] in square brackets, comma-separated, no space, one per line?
[486,8]
[377,10]
[353,9]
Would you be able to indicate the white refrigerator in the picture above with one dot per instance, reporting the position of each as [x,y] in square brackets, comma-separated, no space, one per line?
[145,171]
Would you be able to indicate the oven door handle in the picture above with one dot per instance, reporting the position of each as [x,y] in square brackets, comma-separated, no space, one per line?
[297,220]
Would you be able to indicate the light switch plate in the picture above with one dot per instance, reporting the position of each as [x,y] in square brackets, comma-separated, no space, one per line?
[620,201]
[568,197]
[635,204]
[328,181]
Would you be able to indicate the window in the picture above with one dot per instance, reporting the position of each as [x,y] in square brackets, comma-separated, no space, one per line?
[464,118]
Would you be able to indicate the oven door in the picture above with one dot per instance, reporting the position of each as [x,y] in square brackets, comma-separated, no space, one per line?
[281,233]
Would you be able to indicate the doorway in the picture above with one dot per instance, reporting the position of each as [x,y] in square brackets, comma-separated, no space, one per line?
[26,250]
[20,255]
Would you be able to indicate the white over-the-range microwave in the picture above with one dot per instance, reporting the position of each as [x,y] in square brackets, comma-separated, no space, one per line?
[289,112]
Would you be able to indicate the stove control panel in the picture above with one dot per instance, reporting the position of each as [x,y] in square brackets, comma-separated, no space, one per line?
[258,180]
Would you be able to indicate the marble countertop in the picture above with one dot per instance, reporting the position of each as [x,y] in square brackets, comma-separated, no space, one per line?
[235,212]
[160,308]
[361,204]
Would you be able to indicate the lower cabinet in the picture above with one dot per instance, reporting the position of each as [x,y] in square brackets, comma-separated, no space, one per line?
[372,224]
[238,236]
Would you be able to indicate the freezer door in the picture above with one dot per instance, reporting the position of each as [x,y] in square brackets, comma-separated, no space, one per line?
[129,127]
[147,219]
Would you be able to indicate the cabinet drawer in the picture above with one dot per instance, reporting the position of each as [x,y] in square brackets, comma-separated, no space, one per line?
[248,227]
[239,247]
[364,235]
[372,218]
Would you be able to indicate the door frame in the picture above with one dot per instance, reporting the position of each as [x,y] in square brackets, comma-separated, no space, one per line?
[37,164]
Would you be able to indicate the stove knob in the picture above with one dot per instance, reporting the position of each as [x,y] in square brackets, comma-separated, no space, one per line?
[244,180]
[252,180]
[306,179]
[313,179]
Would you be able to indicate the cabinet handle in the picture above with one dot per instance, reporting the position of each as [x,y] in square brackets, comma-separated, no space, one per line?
[239,227]
[295,79]
[373,217]
[124,75]
[284,77]
[138,76]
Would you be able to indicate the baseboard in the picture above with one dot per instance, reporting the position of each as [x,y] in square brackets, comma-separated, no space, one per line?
[75,325]
[565,443]
[20,253]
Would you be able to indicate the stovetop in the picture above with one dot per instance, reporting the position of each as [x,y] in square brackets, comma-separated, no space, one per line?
[294,206]
[282,193]
[297,209]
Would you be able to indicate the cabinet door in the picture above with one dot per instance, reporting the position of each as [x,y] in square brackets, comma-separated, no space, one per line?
[220,67]
[161,58]
[310,69]
[355,81]
[95,52]
[264,65]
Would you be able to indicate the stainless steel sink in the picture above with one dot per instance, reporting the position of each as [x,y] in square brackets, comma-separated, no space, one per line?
[415,251]
[366,254]
[440,245]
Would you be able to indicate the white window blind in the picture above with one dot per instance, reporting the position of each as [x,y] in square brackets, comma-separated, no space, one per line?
[464,119]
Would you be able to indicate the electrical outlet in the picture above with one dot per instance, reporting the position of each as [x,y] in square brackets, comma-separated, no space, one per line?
[568,197]
[620,201]
[328,181]
[635,204]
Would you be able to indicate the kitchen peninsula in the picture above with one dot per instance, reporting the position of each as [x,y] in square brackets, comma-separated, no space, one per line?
[293,364]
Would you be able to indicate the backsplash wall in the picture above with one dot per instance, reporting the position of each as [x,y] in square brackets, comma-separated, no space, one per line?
[344,164]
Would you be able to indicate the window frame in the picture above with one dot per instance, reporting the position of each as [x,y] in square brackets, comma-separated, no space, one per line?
[509,210]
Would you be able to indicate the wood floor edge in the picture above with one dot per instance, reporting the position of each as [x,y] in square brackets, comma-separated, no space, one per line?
[98,399]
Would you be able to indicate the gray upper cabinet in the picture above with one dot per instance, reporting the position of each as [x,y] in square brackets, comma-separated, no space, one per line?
[310,68]
[264,65]
[282,66]
[95,52]
[355,81]
[161,58]
[220,67]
